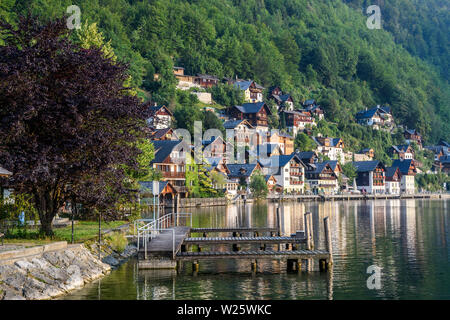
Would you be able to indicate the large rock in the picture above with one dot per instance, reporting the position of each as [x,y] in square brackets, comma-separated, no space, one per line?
[54,273]
[111,261]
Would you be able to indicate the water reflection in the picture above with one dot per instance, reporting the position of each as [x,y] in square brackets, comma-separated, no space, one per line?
[408,239]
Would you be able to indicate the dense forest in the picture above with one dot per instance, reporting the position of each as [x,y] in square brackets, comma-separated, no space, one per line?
[317,49]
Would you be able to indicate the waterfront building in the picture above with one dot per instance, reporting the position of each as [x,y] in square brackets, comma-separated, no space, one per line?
[321,178]
[393,178]
[370,176]
[408,171]
[241,173]
[288,170]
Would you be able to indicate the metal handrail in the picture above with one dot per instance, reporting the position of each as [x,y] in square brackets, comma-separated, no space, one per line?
[140,220]
[150,230]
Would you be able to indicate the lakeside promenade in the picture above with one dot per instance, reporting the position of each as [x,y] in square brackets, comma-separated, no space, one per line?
[207,202]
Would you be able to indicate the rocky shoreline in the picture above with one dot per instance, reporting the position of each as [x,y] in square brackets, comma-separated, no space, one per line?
[56,273]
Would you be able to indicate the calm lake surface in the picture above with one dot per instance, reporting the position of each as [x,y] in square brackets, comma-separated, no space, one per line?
[408,239]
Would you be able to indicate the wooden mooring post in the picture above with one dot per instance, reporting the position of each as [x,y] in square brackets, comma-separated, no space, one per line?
[328,244]
[307,234]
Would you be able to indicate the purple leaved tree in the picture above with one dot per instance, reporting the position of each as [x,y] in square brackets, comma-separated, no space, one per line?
[68,127]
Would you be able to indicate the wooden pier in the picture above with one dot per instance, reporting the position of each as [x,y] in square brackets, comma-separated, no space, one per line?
[242,240]
[171,247]
[237,230]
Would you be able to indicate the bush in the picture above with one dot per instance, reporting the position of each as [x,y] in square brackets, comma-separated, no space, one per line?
[117,241]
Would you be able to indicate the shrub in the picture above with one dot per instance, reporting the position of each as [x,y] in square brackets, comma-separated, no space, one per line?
[117,241]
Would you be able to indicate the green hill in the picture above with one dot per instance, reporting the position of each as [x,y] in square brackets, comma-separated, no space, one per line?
[318,49]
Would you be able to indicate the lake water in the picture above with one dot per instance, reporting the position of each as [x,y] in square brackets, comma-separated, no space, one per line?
[408,239]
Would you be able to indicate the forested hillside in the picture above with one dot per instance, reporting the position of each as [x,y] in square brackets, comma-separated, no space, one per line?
[317,49]
[421,26]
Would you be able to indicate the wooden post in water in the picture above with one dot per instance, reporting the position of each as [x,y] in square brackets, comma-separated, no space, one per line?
[307,235]
[195,266]
[278,222]
[254,265]
[308,238]
[311,230]
[329,246]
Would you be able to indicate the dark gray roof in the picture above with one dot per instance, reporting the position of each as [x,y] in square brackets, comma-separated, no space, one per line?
[403,165]
[306,155]
[159,133]
[276,163]
[243,85]
[390,171]
[309,102]
[266,149]
[412,131]
[163,149]
[317,167]
[385,109]
[366,114]
[444,159]
[207,76]
[231,124]
[147,186]
[251,107]
[286,135]
[401,147]
[333,164]
[240,170]
[444,143]
[333,141]
[154,109]
[285,97]
[366,166]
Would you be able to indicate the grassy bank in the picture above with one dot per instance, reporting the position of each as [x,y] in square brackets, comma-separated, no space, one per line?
[83,230]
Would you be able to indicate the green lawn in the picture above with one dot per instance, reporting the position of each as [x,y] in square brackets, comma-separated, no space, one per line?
[83,230]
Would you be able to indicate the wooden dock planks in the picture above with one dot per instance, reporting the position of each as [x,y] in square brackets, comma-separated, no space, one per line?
[231,240]
[297,254]
[239,230]
[162,244]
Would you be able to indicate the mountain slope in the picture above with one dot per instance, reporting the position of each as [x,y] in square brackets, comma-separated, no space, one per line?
[318,49]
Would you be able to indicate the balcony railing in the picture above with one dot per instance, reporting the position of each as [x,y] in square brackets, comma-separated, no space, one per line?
[174,175]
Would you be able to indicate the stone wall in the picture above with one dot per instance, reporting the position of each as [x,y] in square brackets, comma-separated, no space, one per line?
[50,274]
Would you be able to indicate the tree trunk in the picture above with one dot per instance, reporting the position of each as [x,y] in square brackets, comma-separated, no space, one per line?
[46,226]
[47,211]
